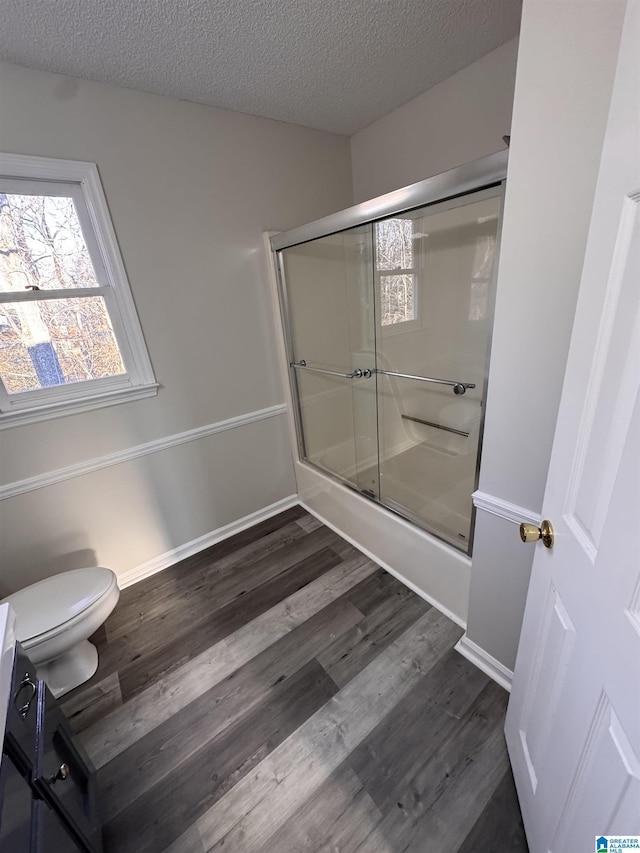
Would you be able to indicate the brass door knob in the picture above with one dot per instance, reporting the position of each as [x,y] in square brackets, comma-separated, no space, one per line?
[531,533]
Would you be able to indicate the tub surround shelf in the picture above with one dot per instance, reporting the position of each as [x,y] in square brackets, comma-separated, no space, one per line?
[436,426]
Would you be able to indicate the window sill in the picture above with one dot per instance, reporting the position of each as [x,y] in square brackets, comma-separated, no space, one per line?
[400,328]
[61,409]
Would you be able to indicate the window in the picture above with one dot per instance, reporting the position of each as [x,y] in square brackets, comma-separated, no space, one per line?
[395,273]
[70,338]
[482,274]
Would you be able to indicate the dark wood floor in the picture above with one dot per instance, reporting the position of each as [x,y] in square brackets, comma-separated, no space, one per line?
[279,693]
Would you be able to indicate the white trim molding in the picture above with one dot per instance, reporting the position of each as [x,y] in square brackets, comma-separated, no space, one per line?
[170,558]
[484,661]
[40,481]
[505,509]
[47,412]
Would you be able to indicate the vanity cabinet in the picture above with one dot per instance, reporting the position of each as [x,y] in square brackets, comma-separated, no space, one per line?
[16,800]
[47,785]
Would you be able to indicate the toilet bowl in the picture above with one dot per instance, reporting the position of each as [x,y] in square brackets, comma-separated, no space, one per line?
[54,619]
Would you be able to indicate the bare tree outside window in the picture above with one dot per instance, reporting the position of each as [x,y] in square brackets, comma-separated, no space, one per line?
[395,271]
[49,342]
[481,276]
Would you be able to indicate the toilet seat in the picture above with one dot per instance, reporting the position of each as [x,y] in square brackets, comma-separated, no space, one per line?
[53,605]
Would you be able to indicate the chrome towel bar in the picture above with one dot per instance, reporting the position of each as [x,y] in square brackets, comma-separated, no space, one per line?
[458,387]
[437,426]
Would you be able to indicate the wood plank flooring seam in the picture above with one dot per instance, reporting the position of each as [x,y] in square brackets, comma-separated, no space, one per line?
[309,730]
[137,656]
[390,757]
[335,818]
[97,700]
[343,660]
[446,794]
[223,622]
[211,563]
[254,809]
[228,578]
[205,776]
[151,761]
[120,728]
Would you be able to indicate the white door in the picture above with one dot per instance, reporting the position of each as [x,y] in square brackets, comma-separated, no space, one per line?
[573,723]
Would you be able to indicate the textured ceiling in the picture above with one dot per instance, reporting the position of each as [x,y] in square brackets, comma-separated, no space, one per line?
[331,64]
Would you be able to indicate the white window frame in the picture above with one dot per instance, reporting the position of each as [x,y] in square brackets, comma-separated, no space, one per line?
[404,325]
[80,181]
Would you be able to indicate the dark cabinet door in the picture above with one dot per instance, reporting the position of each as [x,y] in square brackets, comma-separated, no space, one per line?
[49,835]
[22,714]
[43,766]
[64,775]
[15,809]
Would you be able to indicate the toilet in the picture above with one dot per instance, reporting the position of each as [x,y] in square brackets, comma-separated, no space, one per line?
[56,616]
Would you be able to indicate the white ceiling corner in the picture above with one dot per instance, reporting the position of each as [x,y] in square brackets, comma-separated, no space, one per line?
[337,65]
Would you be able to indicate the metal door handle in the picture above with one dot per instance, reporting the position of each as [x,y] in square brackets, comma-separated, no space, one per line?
[355,374]
[26,682]
[531,533]
[458,387]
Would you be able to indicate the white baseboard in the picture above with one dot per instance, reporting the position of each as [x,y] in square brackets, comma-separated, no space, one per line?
[396,574]
[484,661]
[170,558]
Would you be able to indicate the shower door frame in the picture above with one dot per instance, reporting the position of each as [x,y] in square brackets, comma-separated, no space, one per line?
[484,173]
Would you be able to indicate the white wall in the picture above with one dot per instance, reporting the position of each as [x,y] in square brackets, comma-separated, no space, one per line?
[460,119]
[190,190]
[566,64]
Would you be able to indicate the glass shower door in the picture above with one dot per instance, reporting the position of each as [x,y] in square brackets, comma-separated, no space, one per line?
[330,309]
[432,277]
